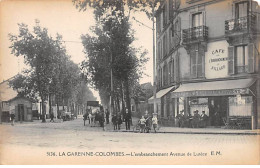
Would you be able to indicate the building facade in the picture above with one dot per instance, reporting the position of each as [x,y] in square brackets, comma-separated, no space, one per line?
[208,60]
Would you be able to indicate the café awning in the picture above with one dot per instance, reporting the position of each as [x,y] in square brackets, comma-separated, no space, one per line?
[160,94]
[216,88]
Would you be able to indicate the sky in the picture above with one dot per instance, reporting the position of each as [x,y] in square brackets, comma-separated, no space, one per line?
[59,16]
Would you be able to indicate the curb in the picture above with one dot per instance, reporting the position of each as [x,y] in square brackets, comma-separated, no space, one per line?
[216,133]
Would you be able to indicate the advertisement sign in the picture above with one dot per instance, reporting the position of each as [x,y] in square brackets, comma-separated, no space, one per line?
[216,60]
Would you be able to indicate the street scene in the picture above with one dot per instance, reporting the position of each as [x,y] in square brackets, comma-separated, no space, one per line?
[130,82]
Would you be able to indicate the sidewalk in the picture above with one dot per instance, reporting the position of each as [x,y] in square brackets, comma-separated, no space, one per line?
[178,130]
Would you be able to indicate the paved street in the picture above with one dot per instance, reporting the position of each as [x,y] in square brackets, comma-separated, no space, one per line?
[36,142]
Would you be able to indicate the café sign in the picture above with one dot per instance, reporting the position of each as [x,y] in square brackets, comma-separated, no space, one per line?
[216,60]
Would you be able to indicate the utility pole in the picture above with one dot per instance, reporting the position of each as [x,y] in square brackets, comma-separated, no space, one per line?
[154,65]
[154,57]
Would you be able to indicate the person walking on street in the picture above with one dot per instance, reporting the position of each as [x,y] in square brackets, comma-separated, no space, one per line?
[127,120]
[114,121]
[119,121]
[12,118]
[107,116]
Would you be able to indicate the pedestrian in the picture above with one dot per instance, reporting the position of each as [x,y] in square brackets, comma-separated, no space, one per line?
[204,119]
[52,117]
[12,118]
[107,116]
[180,118]
[195,119]
[90,118]
[102,120]
[142,124]
[119,121]
[85,117]
[154,122]
[114,121]
[127,119]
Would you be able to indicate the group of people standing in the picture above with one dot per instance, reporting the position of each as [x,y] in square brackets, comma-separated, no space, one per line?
[117,120]
[195,121]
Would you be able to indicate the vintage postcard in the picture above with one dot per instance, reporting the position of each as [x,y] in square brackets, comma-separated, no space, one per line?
[126,82]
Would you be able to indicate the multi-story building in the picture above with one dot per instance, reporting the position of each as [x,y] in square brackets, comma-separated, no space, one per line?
[208,60]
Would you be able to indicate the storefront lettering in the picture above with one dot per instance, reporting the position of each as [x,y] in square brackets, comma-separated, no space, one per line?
[210,93]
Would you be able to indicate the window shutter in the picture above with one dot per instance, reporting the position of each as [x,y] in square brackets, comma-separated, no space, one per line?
[158,20]
[179,30]
[193,70]
[251,58]
[176,68]
[231,69]
[200,62]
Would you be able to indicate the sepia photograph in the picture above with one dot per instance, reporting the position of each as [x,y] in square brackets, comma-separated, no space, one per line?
[129,82]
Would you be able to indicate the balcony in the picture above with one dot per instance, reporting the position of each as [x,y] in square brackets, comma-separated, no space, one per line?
[195,34]
[241,25]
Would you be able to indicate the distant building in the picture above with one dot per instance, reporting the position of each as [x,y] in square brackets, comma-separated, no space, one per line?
[11,103]
[208,60]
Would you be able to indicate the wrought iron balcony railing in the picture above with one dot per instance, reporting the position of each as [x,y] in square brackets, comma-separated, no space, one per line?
[243,24]
[195,34]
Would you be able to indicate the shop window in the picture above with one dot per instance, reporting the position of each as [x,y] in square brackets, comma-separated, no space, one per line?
[240,106]
[200,104]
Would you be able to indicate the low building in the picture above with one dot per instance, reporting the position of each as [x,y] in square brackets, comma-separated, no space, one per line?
[22,107]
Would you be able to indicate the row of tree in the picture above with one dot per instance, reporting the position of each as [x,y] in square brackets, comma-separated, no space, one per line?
[110,48]
[51,73]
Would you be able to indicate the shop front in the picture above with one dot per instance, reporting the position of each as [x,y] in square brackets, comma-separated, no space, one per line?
[228,103]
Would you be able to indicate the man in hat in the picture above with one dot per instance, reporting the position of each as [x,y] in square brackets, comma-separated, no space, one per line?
[196,119]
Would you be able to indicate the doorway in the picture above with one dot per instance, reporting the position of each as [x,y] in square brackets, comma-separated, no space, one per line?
[20,112]
[218,108]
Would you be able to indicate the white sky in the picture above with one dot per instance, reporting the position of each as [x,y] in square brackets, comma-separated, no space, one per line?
[59,17]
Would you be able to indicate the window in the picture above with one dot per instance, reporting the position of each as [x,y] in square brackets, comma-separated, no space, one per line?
[164,16]
[240,107]
[241,9]
[172,71]
[196,62]
[159,51]
[164,46]
[197,20]
[241,59]
[165,74]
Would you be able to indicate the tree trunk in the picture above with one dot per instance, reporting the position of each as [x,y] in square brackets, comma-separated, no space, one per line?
[118,103]
[43,110]
[122,98]
[128,100]
[58,110]
[50,111]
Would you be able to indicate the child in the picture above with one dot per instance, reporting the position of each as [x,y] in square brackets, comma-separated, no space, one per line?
[154,122]
[142,123]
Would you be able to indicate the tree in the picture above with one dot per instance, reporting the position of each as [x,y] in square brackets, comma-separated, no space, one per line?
[43,54]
